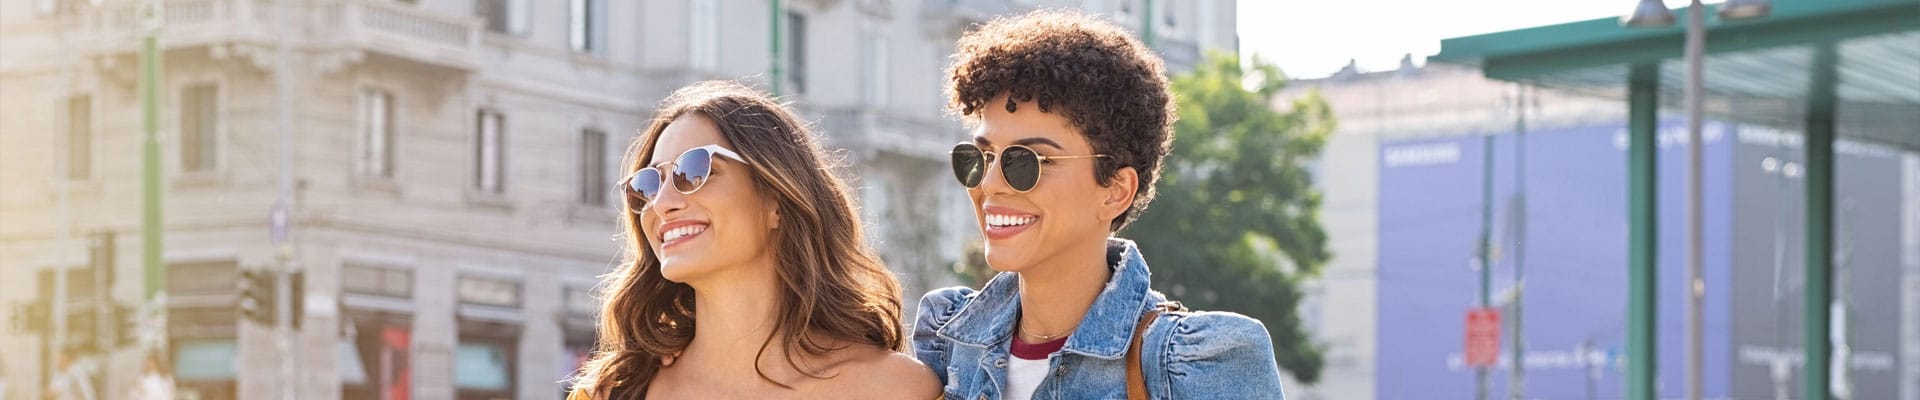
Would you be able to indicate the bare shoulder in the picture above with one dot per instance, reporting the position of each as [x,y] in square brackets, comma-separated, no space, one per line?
[876,373]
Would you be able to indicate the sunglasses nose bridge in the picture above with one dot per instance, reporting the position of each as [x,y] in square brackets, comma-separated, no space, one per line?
[668,196]
[993,177]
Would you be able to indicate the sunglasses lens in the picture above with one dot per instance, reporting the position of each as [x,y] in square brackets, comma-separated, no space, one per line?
[644,185]
[691,170]
[1021,167]
[968,165]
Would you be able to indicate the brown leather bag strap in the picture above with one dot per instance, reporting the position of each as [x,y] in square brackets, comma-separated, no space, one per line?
[1136,378]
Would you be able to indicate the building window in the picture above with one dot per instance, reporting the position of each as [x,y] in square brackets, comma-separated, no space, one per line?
[203,278]
[376,133]
[79,137]
[206,364]
[586,24]
[389,282]
[489,146]
[374,356]
[1167,18]
[578,333]
[51,8]
[201,334]
[593,167]
[505,16]
[797,51]
[704,53]
[488,292]
[579,301]
[483,368]
[873,45]
[199,127]
[576,349]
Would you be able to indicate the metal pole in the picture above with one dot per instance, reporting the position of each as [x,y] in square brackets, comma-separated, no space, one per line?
[150,153]
[283,317]
[1779,367]
[776,13]
[1820,116]
[1643,84]
[1486,244]
[1696,104]
[152,20]
[150,234]
[1517,380]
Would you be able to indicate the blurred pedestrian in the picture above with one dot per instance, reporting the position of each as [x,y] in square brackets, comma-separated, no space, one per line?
[70,380]
[156,383]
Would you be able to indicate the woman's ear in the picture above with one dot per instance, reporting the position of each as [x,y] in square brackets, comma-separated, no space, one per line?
[1119,193]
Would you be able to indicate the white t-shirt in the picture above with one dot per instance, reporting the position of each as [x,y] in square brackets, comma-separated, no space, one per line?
[154,387]
[1028,365]
[1023,376]
[72,384]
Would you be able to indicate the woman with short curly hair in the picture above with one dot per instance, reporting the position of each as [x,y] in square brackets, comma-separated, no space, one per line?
[1072,119]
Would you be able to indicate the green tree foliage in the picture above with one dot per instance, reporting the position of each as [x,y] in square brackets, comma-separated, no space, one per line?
[1236,225]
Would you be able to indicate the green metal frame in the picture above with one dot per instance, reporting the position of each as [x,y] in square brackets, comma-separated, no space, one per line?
[1532,52]
[1818,340]
[1643,227]
[1537,54]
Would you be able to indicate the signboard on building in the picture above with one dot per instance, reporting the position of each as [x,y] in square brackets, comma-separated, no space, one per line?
[1483,337]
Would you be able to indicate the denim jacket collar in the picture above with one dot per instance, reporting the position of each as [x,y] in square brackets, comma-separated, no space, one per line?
[1105,332]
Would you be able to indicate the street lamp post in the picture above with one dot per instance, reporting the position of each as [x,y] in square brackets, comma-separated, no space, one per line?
[1652,13]
[1696,104]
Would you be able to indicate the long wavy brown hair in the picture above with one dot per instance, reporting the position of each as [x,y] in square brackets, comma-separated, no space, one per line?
[833,287]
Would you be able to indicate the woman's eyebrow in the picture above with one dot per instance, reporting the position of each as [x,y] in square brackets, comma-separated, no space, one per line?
[1039,140]
[982,141]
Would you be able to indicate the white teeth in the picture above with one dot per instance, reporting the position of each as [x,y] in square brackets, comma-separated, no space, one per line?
[683,231]
[1002,220]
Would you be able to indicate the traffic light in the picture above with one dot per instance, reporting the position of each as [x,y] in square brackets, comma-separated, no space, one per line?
[256,295]
[127,325]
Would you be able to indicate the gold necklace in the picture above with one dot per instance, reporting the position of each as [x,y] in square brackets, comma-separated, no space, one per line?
[1048,338]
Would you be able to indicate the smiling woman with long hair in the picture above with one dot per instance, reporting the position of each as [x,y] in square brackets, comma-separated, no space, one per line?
[745,263]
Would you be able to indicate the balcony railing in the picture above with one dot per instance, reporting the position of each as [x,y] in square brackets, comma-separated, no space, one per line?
[381,26]
[866,130]
[954,16]
[117,26]
[400,30]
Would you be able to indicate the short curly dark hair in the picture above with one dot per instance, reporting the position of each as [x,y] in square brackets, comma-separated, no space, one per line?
[1096,74]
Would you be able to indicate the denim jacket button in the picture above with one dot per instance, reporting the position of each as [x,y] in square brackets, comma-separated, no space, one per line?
[1062,371]
[999,363]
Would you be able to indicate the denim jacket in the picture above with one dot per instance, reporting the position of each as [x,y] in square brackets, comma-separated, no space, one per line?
[963,335]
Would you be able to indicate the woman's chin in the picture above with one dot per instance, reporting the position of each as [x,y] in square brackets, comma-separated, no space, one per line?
[1007,263]
[680,272]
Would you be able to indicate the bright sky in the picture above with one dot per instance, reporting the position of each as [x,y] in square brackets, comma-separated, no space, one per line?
[1314,38]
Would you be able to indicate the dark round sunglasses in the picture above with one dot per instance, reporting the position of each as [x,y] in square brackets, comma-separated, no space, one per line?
[689,174]
[1019,165]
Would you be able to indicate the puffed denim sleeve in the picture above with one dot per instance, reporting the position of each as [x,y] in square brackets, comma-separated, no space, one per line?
[1221,355]
[936,309]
